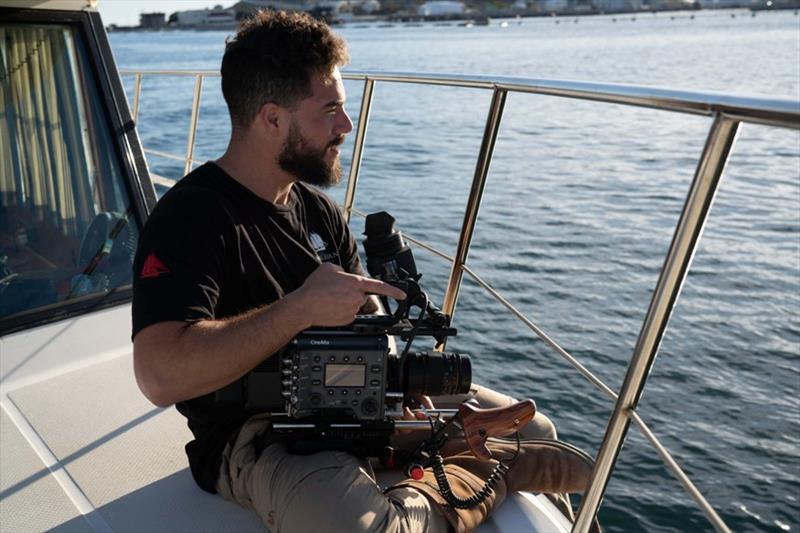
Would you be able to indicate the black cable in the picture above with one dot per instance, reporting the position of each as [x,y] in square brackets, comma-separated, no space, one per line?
[473,501]
[500,470]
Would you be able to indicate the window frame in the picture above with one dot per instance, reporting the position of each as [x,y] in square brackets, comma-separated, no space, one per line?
[101,72]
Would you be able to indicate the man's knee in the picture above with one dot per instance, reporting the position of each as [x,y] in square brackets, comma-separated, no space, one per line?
[541,427]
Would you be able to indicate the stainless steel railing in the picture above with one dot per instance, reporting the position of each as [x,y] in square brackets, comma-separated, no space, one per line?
[727,113]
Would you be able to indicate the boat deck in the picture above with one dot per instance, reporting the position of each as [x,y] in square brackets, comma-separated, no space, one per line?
[83,450]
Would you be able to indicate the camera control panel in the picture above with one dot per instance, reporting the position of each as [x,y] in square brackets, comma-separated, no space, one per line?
[326,373]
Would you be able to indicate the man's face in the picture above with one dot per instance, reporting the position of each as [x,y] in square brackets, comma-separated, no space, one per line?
[310,152]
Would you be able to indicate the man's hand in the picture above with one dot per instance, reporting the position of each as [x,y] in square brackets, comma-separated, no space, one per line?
[425,402]
[333,297]
[410,437]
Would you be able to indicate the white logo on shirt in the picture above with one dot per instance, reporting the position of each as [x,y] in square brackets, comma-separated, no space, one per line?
[317,243]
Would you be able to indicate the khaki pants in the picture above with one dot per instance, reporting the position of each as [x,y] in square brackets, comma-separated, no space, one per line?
[331,490]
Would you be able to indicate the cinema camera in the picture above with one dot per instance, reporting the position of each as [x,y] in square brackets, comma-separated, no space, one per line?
[341,388]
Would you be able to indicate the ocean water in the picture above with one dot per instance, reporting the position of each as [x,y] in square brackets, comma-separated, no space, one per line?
[578,214]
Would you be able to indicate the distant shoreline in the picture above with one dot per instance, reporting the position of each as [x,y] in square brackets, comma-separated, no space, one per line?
[477,19]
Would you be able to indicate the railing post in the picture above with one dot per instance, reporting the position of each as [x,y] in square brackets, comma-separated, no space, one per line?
[198,89]
[474,200]
[684,244]
[358,148]
[137,91]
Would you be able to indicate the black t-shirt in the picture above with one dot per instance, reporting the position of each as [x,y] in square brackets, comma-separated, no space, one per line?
[212,249]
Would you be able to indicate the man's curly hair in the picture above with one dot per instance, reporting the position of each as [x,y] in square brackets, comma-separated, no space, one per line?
[272,58]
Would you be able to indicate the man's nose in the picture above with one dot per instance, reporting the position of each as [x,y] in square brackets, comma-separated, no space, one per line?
[344,124]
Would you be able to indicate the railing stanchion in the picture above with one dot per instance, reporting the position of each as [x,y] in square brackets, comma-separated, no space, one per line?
[137,91]
[474,200]
[358,147]
[198,90]
[681,251]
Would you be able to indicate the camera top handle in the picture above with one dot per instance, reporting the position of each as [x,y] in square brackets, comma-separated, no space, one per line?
[391,260]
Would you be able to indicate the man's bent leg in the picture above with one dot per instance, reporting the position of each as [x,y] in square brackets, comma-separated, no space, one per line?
[327,491]
[541,427]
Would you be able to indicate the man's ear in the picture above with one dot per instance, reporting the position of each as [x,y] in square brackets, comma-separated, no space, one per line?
[272,118]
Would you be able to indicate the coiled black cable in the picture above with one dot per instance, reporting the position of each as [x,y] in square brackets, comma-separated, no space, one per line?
[473,501]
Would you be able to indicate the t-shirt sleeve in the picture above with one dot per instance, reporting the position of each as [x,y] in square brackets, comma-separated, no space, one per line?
[179,262]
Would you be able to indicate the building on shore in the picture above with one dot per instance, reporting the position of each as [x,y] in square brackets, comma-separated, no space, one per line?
[217,17]
[247,7]
[438,8]
[152,21]
[673,5]
[726,4]
[617,6]
[327,11]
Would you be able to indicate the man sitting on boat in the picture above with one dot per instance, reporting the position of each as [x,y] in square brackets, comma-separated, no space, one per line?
[245,253]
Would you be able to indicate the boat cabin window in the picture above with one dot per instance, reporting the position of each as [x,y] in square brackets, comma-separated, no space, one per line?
[64,210]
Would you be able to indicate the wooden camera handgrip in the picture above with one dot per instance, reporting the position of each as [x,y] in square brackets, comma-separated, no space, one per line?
[480,424]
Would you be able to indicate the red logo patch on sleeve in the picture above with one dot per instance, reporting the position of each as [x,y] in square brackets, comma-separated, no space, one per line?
[153,267]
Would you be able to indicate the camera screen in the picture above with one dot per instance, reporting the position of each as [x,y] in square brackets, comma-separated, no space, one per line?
[345,375]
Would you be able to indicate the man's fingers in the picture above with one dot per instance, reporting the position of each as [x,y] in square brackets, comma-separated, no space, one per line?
[374,286]
[329,266]
[408,414]
[426,402]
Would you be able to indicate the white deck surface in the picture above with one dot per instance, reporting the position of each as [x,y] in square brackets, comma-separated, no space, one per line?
[82,450]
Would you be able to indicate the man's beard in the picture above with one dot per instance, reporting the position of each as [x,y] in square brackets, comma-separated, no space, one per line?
[308,164]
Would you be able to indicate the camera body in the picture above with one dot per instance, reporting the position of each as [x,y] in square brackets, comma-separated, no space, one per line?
[348,374]
[327,374]
[341,388]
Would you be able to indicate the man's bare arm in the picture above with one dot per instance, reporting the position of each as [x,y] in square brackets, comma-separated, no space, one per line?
[175,361]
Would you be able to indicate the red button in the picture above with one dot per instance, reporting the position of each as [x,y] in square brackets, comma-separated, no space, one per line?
[416,472]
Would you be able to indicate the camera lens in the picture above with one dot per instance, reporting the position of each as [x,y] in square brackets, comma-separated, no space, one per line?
[437,374]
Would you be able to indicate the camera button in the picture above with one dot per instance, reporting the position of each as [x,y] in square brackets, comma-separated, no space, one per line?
[316,368]
[355,403]
[330,392]
[317,359]
[332,359]
[369,407]
[358,392]
[346,358]
[375,369]
[344,392]
[360,358]
[375,382]
[316,382]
